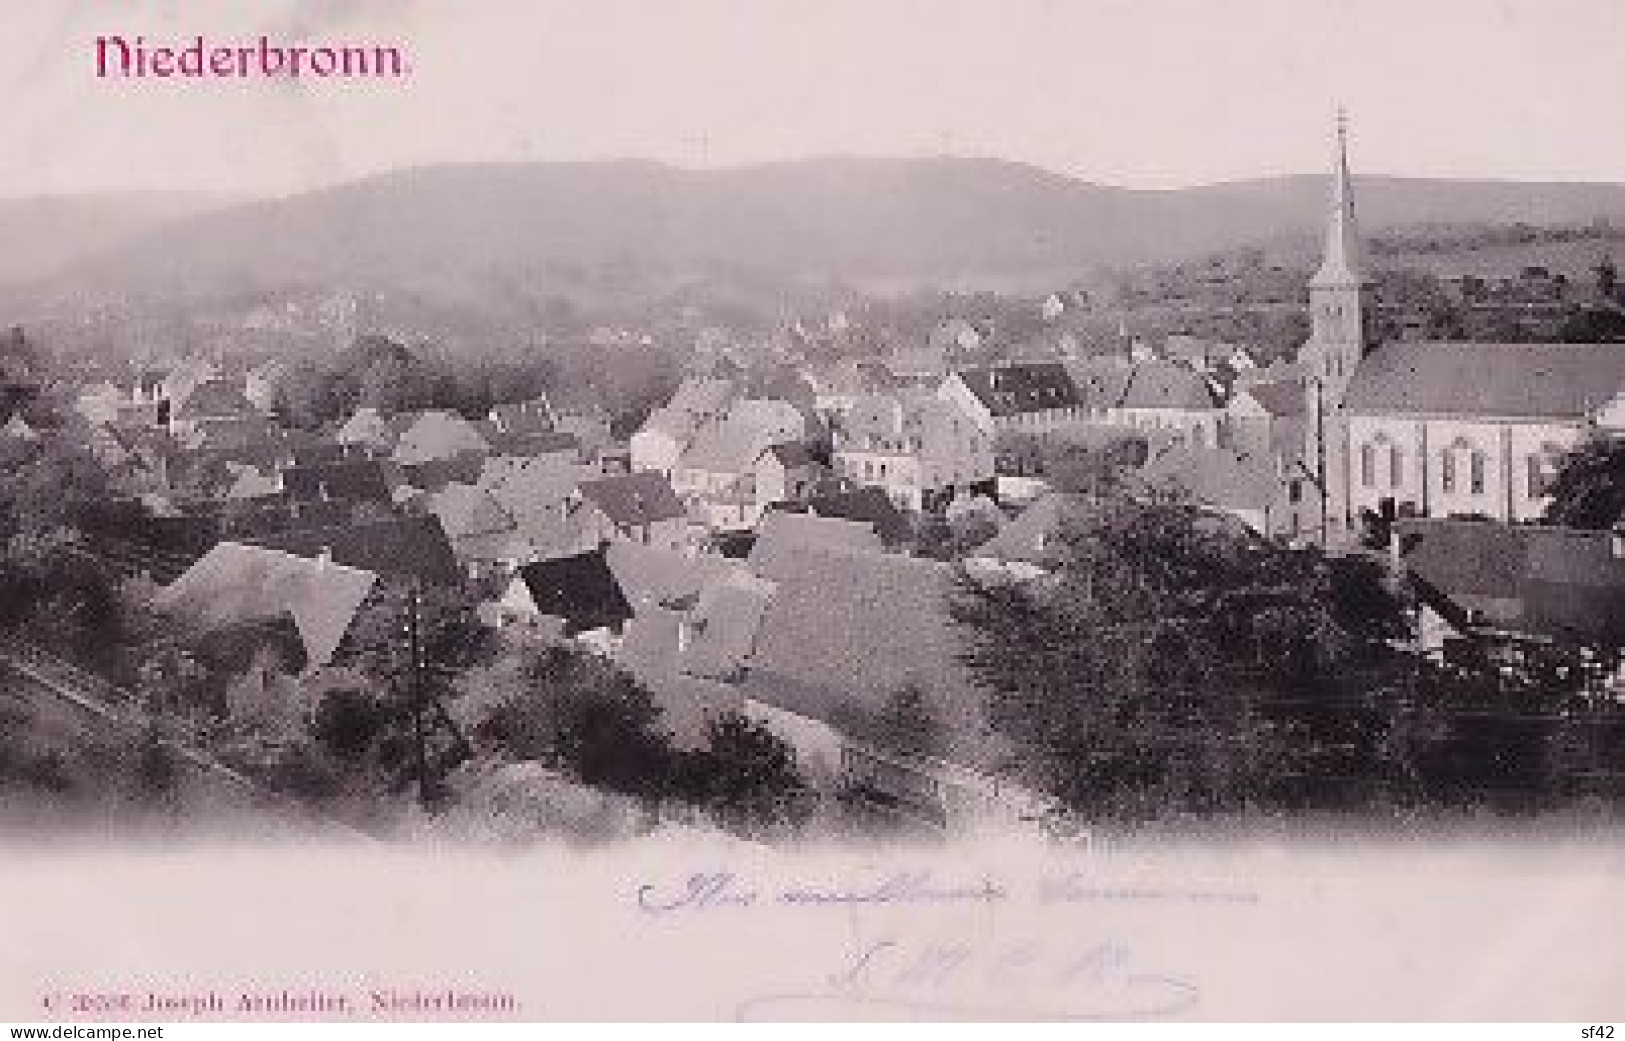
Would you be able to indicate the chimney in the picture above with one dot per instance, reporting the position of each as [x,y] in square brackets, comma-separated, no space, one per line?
[1616,541]
[324,557]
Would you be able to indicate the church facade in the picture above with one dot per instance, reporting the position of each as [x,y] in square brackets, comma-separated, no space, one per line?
[1434,429]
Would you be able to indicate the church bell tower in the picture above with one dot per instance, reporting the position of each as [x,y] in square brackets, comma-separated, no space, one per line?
[1339,309]
[1339,335]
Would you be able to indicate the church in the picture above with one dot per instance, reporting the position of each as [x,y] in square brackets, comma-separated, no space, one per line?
[1434,429]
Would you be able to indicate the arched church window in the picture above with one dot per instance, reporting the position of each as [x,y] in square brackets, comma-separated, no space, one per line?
[1396,466]
[1447,470]
[1368,466]
[1478,464]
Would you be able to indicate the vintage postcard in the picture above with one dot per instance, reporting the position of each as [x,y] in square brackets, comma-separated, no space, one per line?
[834,510]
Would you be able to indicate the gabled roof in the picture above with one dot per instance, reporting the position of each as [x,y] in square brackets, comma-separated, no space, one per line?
[435,474]
[1478,559]
[352,480]
[656,576]
[215,397]
[1165,385]
[1101,382]
[867,504]
[793,454]
[1034,535]
[438,434]
[235,583]
[1277,399]
[528,487]
[580,589]
[464,510]
[634,499]
[780,533]
[370,427]
[528,443]
[1512,380]
[1542,580]
[1219,477]
[844,632]
[1008,390]
[412,547]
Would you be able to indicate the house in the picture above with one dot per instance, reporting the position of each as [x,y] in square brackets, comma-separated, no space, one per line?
[920,449]
[1251,488]
[569,596]
[210,402]
[839,385]
[369,429]
[262,384]
[409,549]
[1488,584]
[438,434]
[783,533]
[1026,397]
[697,403]
[638,507]
[483,536]
[347,480]
[733,469]
[1034,541]
[1101,383]
[1163,395]
[536,494]
[235,583]
[523,417]
[871,506]
[842,637]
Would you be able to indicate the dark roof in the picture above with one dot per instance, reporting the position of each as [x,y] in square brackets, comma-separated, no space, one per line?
[1463,557]
[871,505]
[1551,581]
[632,499]
[1574,585]
[1101,382]
[435,474]
[410,547]
[354,480]
[1278,399]
[1007,390]
[1534,380]
[793,454]
[528,442]
[581,589]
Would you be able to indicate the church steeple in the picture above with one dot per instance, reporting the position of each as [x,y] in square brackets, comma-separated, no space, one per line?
[1338,307]
[1342,264]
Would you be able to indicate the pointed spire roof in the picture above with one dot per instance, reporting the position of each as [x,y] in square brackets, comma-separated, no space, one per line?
[1342,264]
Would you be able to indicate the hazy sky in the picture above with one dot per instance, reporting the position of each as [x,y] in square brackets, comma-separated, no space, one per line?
[1136,92]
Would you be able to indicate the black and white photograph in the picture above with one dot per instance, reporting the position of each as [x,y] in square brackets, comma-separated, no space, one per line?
[834,510]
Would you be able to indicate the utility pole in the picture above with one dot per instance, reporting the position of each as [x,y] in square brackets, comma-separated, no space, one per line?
[428,715]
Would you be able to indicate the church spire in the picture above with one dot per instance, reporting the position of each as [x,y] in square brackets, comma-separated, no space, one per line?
[1342,265]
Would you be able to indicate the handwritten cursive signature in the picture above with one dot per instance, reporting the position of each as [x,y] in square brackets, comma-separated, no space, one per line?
[1028,978]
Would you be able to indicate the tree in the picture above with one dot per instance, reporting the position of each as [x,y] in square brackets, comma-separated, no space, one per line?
[583,715]
[1174,665]
[1589,489]
[910,724]
[747,778]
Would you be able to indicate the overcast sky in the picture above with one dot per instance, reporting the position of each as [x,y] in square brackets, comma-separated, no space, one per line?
[1145,93]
